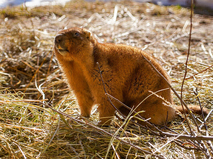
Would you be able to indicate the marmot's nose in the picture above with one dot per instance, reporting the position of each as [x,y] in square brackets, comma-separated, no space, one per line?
[58,38]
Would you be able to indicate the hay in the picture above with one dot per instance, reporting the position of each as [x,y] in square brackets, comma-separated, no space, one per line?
[31,80]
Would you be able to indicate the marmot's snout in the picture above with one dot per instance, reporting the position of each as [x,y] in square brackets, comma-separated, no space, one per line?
[60,43]
[59,38]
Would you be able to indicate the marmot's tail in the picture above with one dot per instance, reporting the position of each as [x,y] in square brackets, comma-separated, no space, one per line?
[194,108]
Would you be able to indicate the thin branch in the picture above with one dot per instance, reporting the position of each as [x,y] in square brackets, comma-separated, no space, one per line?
[192,115]
[106,90]
[186,66]
[204,121]
[199,72]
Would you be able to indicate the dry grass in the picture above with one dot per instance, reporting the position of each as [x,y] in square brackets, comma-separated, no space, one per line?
[30,73]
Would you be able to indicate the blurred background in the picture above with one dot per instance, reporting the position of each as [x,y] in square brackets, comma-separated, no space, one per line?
[33,3]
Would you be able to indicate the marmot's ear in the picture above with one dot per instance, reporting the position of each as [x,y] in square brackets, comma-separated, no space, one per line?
[87,33]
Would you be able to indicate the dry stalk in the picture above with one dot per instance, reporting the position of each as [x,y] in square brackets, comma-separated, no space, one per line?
[209,67]
[204,121]
[186,64]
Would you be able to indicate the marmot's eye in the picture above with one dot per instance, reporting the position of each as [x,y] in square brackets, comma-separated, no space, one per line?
[76,34]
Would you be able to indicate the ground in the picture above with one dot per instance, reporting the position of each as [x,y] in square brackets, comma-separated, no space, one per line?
[31,81]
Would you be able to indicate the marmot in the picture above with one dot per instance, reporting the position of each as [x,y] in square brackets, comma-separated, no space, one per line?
[94,68]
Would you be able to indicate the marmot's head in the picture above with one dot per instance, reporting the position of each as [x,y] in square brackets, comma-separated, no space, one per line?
[73,43]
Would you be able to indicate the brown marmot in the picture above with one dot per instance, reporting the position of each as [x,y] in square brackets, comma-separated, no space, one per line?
[89,66]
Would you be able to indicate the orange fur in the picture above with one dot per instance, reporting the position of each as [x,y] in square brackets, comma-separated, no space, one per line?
[126,74]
